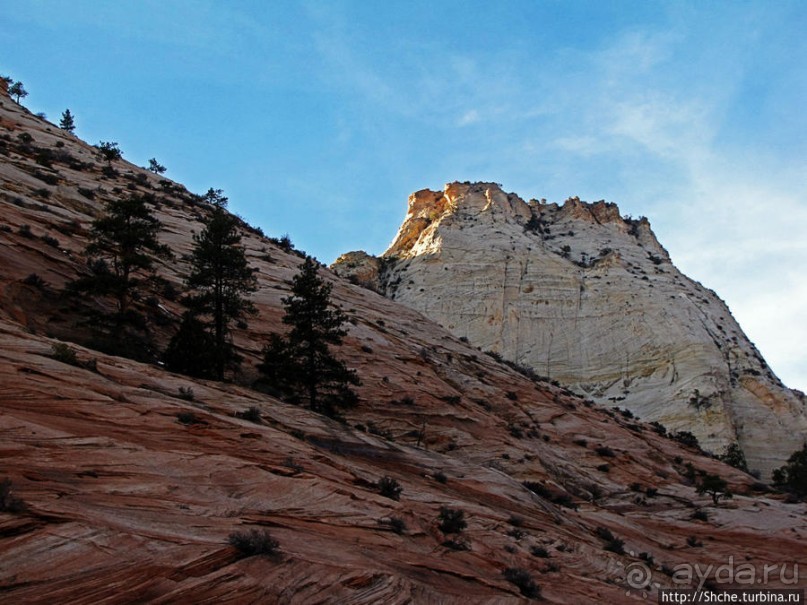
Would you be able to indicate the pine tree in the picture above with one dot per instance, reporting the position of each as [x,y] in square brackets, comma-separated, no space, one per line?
[67,122]
[793,475]
[191,350]
[301,364]
[715,486]
[220,278]
[109,151]
[155,166]
[735,456]
[122,243]
[17,90]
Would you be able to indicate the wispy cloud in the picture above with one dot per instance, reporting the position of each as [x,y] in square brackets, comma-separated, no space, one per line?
[469,117]
[625,119]
[730,217]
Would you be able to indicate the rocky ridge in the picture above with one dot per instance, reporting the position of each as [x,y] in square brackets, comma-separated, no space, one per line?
[589,298]
[124,503]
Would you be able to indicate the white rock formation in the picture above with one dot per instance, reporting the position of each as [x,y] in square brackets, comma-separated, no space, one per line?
[586,297]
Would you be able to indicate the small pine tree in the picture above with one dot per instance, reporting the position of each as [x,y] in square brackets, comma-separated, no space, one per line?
[735,457]
[452,520]
[793,475]
[715,486]
[17,90]
[109,151]
[191,350]
[301,364]
[67,122]
[122,245]
[155,166]
[220,279]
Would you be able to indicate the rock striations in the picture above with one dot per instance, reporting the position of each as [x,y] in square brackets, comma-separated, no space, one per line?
[124,503]
[589,298]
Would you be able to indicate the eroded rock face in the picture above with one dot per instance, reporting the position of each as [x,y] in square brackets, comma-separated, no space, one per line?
[589,298]
[359,268]
[125,503]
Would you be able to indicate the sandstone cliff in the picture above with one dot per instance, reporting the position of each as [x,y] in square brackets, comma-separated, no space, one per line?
[125,504]
[591,299]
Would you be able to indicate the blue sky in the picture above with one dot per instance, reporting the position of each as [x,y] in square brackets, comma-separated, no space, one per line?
[318,119]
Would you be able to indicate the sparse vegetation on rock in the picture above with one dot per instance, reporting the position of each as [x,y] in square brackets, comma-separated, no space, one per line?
[188,418]
[522,579]
[254,542]
[389,487]
[9,503]
[63,352]
[156,472]
[611,542]
[452,521]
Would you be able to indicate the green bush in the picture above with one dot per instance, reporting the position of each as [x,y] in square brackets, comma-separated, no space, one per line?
[186,393]
[9,503]
[396,524]
[735,456]
[522,579]
[452,521]
[50,241]
[62,352]
[612,543]
[686,438]
[389,488]
[792,477]
[605,451]
[254,542]
[715,486]
[188,418]
[34,280]
[252,413]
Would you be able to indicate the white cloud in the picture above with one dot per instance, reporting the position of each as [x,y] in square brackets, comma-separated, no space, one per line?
[731,217]
[469,117]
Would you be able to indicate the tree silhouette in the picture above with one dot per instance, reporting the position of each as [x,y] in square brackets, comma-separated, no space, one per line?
[155,166]
[301,364]
[715,486]
[109,151]
[67,122]
[192,349]
[122,244]
[220,279]
[735,456]
[793,475]
[17,90]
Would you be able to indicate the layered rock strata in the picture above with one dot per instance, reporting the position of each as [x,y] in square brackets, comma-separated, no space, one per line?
[587,297]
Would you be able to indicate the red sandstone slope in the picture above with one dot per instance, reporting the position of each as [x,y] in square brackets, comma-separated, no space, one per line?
[125,504]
